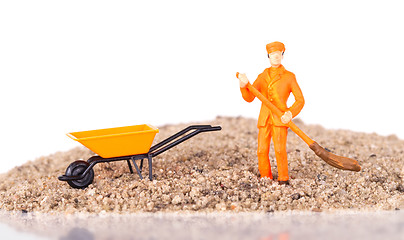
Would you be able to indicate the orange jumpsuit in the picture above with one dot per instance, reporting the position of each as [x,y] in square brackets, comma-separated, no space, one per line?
[276,84]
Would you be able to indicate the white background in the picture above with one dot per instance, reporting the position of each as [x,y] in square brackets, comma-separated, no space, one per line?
[80,65]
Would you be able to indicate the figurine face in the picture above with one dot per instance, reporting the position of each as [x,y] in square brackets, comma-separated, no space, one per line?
[275,58]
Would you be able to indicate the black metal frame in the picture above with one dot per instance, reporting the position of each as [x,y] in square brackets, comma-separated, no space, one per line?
[155,150]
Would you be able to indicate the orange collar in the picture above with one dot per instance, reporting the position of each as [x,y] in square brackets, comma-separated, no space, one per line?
[279,71]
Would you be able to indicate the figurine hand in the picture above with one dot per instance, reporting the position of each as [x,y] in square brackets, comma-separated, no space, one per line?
[287,116]
[243,80]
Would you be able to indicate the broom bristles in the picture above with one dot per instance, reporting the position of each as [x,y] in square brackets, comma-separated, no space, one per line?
[334,160]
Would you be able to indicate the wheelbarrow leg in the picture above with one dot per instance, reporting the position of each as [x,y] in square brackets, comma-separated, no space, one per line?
[130,166]
[150,167]
[137,168]
[141,165]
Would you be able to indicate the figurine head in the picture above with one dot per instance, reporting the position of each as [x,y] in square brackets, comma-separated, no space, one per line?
[275,53]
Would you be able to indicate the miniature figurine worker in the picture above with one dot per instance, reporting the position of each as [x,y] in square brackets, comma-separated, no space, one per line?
[276,84]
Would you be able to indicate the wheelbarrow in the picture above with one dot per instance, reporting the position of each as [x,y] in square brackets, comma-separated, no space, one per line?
[129,144]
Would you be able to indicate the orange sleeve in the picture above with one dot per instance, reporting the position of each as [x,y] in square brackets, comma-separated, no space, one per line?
[247,95]
[299,99]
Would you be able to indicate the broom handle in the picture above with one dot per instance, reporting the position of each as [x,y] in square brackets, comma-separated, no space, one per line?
[279,113]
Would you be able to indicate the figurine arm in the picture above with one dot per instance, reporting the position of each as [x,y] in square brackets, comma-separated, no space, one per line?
[245,92]
[299,99]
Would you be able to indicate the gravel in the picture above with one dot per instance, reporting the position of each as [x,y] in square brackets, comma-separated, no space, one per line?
[217,171]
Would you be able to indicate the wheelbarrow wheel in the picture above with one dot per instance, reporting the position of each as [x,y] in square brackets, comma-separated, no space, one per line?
[77,168]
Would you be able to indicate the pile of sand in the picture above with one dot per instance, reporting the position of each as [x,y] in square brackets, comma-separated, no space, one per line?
[218,171]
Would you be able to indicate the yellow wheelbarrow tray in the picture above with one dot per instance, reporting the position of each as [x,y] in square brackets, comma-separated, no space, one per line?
[123,144]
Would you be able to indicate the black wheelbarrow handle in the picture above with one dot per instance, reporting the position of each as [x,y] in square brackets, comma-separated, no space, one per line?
[160,147]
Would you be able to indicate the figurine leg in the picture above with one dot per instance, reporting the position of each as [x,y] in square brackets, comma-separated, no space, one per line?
[264,140]
[279,135]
